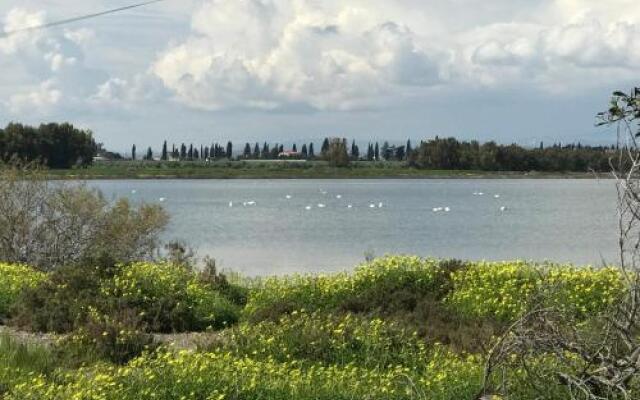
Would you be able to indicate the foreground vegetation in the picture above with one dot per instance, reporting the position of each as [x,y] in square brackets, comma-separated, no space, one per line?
[398,327]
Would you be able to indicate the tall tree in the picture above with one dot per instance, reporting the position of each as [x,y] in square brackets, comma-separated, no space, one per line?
[386,154]
[133,152]
[190,152]
[256,151]
[312,153]
[247,150]
[149,155]
[229,150]
[294,149]
[325,147]
[165,155]
[376,152]
[304,151]
[183,151]
[408,149]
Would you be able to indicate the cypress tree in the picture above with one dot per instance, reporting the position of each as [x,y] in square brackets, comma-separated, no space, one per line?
[256,151]
[312,153]
[165,155]
[133,152]
[229,150]
[183,152]
[190,152]
[325,147]
[376,152]
[304,151]
[247,150]
[409,150]
[294,149]
[149,154]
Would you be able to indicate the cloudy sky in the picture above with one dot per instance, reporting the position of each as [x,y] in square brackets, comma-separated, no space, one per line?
[295,70]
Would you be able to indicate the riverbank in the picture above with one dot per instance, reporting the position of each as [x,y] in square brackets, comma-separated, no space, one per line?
[289,170]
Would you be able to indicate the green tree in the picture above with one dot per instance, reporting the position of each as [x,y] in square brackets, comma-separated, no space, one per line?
[337,154]
[229,150]
[133,152]
[312,153]
[165,155]
[325,147]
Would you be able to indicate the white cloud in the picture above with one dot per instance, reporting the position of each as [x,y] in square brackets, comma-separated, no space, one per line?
[49,65]
[277,53]
[42,98]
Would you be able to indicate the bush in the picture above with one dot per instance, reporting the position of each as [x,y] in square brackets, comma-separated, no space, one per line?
[34,212]
[504,291]
[376,285]
[61,303]
[169,298]
[14,279]
[117,337]
[329,339]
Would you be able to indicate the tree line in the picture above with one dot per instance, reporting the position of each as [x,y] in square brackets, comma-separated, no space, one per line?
[438,153]
[54,145]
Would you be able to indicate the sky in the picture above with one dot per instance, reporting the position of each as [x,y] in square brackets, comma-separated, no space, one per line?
[287,71]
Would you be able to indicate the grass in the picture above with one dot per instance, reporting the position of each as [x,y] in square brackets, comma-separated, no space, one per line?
[398,327]
[279,170]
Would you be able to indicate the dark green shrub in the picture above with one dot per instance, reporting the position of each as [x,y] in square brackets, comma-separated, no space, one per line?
[117,337]
[60,304]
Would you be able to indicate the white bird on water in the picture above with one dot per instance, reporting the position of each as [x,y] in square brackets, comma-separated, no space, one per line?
[288,197]
[231,204]
[372,205]
[437,209]
[350,206]
[320,205]
[133,191]
[251,203]
[339,196]
[497,196]
[447,209]
[162,199]
[307,208]
[503,208]
[380,205]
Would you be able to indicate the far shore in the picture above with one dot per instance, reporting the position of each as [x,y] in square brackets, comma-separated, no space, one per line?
[291,170]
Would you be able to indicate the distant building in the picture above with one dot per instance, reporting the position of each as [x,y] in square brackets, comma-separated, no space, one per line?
[290,154]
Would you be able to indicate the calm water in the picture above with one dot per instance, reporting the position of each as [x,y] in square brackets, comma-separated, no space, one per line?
[559,220]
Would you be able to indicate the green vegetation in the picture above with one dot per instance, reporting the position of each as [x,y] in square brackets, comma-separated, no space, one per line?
[282,170]
[14,279]
[53,145]
[398,327]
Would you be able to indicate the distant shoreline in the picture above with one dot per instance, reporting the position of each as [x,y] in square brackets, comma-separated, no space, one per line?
[317,170]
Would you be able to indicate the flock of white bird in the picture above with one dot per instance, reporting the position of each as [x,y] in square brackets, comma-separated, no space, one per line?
[339,196]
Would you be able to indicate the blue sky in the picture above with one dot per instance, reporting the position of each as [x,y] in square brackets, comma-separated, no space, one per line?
[293,70]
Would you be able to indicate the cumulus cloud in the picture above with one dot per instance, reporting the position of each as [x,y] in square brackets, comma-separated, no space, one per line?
[272,54]
[48,65]
[42,98]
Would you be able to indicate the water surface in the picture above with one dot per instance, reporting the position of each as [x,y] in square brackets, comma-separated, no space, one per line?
[558,220]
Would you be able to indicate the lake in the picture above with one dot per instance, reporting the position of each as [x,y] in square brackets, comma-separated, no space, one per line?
[261,227]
